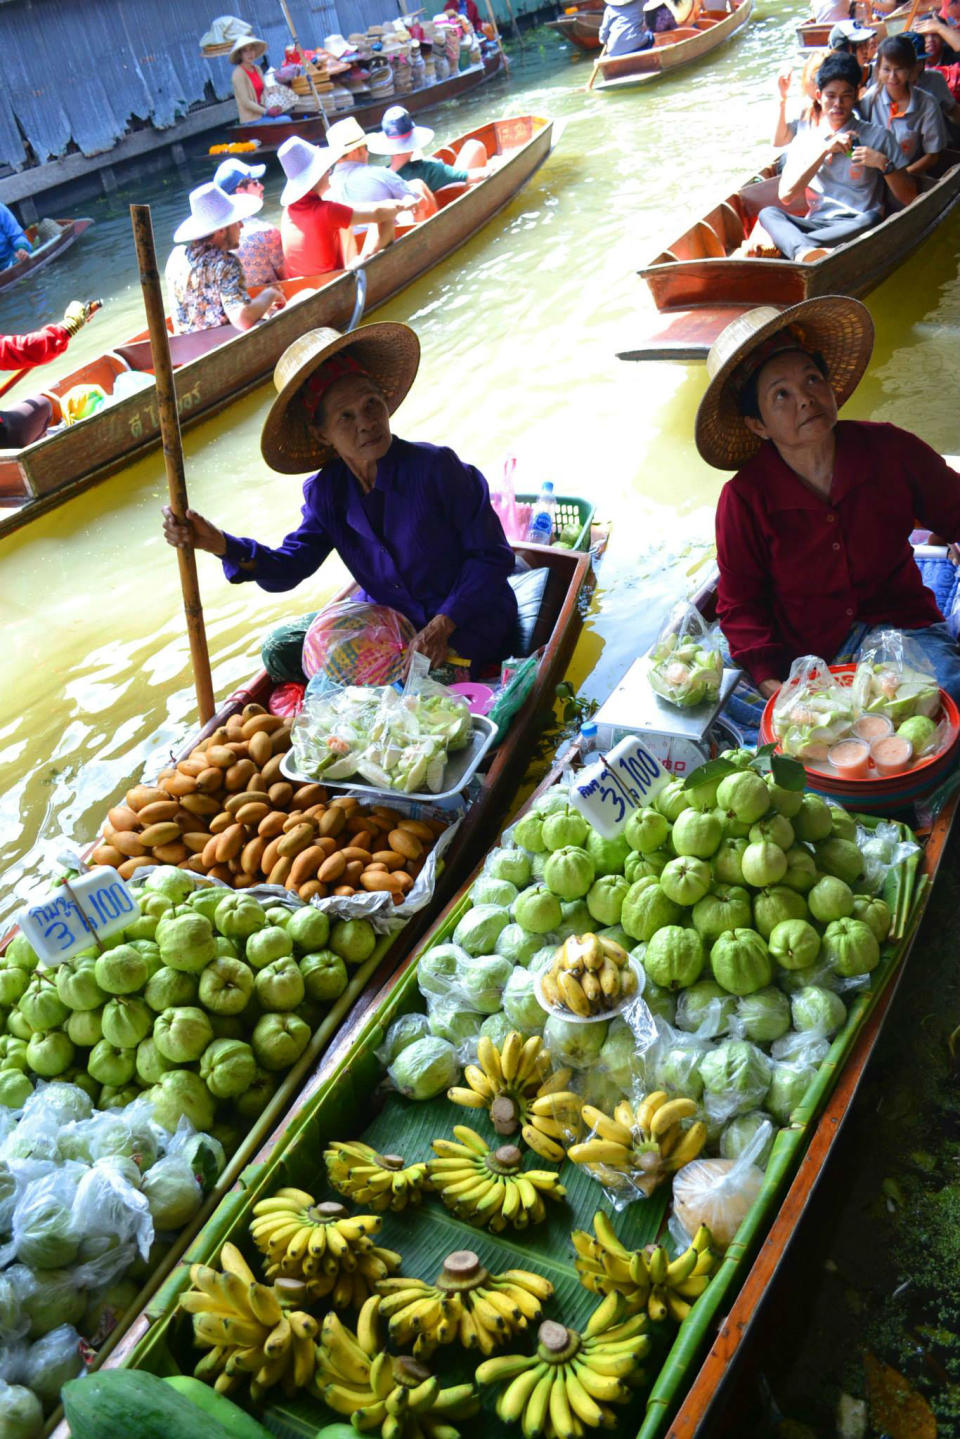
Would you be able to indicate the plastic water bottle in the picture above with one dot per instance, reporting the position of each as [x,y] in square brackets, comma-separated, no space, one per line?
[588,738]
[540,528]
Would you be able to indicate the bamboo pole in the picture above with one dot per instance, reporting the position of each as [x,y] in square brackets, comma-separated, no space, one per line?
[306,66]
[172,452]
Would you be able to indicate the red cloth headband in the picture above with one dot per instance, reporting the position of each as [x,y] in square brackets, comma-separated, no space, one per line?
[792,337]
[329,372]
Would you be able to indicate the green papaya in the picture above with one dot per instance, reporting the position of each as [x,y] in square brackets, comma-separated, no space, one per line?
[239,1423]
[118,1403]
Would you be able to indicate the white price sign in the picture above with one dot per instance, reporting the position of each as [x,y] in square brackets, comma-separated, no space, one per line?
[97,904]
[625,779]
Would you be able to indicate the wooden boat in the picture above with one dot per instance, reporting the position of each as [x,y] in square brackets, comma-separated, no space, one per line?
[815,34]
[674,48]
[736,1319]
[45,252]
[213,367]
[700,283]
[314,128]
[580,25]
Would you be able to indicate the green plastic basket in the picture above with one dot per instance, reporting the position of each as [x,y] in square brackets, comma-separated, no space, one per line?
[568,510]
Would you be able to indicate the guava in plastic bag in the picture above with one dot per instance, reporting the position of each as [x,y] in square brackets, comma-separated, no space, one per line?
[686,661]
[895,678]
[51,1362]
[812,710]
[21,1413]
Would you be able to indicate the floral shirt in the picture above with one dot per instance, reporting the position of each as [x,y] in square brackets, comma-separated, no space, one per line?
[206,287]
[260,252]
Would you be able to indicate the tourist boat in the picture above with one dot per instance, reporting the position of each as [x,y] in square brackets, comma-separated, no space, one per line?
[580,24]
[674,48]
[815,34]
[700,282]
[46,251]
[213,367]
[314,127]
[553,632]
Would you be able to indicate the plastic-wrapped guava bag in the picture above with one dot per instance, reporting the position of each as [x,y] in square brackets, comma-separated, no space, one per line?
[718,1193]
[882,849]
[21,1413]
[574,1046]
[673,1062]
[108,1202]
[797,1059]
[172,1194]
[895,678]
[48,1297]
[741,1132]
[44,1231]
[425,1068]
[51,1363]
[686,662]
[402,1031]
[812,710]
[450,1020]
[736,1076]
[437,968]
[14,1322]
[520,1002]
[705,1009]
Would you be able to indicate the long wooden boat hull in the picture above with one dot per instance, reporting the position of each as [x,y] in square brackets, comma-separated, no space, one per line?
[581,29]
[313,127]
[699,284]
[675,48]
[44,254]
[63,463]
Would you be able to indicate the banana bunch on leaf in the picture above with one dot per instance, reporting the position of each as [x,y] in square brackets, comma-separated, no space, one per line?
[638,1148]
[516,1085]
[647,1279]
[323,1245]
[377,1391]
[490,1188]
[250,1330]
[589,976]
[568,1384]
[383,1181]
[466,1303]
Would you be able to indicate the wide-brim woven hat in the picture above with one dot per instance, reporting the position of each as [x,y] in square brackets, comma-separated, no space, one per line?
[835,326]
[390,355]
[212,209]
[243,43]
[304,166]
[344,136]
[399,134]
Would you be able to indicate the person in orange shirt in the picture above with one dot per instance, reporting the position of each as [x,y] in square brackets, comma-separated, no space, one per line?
[311,226]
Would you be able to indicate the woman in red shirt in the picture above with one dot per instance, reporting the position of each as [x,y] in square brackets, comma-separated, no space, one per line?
[813,531]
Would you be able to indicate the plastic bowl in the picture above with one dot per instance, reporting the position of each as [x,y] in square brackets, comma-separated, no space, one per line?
[568,1016]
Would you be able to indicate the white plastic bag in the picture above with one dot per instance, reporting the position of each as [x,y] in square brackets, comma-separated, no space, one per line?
[687,662]
[718,1193]
[812,710]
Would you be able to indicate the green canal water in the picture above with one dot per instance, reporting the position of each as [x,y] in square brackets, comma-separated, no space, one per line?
[519,331]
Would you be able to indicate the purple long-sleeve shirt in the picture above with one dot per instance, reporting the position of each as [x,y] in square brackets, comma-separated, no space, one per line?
[442,551]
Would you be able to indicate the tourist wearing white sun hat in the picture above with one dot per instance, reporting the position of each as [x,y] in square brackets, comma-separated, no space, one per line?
[203,274]
[312,224]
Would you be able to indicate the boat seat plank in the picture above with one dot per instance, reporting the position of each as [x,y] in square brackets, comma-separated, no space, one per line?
[728,225]
[710,240]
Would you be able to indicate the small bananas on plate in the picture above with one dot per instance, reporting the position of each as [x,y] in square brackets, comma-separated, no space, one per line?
[383,1181]
[638,1148]
[568,1384]
[248,1329]
[490,1188]
[516,1085]
[589,976]
[466,1302]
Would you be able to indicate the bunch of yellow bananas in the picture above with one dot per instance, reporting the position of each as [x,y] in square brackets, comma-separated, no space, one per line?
[400,1397]
[515,1084]
[467,1302]
[646,1278]
[248,1334]
[383,1181]
[329,1249]
[489,1188]
[568,1384]
[589,975]
[638,1148]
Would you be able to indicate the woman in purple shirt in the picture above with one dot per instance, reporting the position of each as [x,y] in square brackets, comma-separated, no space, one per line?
[412,523]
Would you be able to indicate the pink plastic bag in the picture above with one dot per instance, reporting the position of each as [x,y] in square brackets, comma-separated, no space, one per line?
[504,502]
[355,643]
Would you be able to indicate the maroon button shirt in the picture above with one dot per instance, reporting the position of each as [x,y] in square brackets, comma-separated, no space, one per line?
[798,569]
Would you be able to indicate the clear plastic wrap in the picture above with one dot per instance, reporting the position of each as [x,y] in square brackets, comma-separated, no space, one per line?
[403,1031]
[882,849]
[736,1076]
[21,1413]
[812,710]
[895,678]
[687,662]
[394,740]
[51,1362]
[718,1193]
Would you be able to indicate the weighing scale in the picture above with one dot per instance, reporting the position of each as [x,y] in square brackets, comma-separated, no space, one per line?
[680,739]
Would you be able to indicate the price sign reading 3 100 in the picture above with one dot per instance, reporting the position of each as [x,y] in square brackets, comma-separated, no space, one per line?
[55,927]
